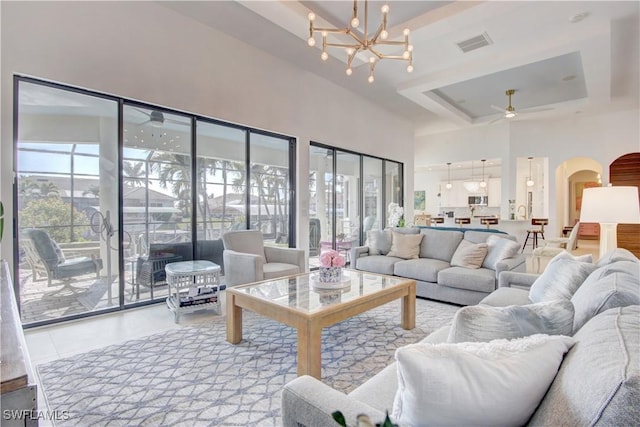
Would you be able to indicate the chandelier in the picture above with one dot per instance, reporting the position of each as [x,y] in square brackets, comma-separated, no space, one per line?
[364,43]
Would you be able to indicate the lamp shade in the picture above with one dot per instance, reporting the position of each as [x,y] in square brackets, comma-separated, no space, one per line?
[612,205]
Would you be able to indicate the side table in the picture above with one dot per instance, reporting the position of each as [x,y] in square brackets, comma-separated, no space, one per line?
[193,285]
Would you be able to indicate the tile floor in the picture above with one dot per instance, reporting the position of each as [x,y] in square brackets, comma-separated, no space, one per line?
[49,343]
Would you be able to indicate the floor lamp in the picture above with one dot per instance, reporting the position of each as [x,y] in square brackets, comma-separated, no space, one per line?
[610,206]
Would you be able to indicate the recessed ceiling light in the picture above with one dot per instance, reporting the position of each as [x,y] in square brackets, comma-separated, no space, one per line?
[568,78]
[578,17]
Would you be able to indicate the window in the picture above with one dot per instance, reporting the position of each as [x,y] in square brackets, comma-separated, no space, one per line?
[346,198]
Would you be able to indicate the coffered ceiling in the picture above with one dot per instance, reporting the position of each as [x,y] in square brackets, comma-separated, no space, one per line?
[561,58]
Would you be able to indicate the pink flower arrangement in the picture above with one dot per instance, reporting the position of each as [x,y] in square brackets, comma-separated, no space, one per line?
[332,259]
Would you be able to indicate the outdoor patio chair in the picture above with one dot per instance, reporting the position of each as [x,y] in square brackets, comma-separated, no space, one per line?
[150,270]
[47,260]
[247,259]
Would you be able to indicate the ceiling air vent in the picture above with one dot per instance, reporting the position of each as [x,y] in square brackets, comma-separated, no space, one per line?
[474,43]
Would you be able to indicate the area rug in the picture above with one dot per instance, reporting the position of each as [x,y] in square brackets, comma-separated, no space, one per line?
[193,377]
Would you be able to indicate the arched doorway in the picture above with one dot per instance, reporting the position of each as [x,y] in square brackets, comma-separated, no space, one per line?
[572,176]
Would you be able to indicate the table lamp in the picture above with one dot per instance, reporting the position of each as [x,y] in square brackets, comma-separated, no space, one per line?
[610,206]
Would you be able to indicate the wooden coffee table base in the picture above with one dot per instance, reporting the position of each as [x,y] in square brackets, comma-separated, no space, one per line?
[309,325]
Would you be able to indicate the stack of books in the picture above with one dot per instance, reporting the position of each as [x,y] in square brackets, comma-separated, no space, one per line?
[198,295]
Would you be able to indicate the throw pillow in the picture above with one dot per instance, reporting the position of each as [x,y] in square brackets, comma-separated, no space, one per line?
[600,293]
[378,241]
[469,255]
[58,249]
[499,248]
[405,246]
[562,277]
[485,323]
[499,383]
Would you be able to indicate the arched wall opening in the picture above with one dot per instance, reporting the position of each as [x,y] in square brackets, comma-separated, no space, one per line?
[572,176]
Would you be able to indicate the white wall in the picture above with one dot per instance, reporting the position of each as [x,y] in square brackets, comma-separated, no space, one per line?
[602,138]
[144,51]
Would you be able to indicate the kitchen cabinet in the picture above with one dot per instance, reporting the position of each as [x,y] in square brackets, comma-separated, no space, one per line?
[456,197]
[494,191]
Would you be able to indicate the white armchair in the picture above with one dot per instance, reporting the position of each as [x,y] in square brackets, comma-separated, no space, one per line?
[556,245]
[247,259]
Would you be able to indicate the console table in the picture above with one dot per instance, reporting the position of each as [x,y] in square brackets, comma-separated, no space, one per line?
[18,388]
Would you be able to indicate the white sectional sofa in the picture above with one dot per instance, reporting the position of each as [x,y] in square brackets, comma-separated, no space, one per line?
[597,381]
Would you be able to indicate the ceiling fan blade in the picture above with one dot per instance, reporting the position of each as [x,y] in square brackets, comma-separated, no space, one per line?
[142,111]
[535,110]
[495,120]
[176,122]
[495,107]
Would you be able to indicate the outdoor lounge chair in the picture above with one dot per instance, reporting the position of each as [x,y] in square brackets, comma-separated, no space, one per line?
[46,259]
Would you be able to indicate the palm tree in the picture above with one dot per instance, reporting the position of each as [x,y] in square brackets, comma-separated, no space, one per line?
[174,173]
[134,173]
[94,190]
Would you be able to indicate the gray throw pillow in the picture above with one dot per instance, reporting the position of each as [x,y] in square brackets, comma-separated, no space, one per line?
[617,254]
[499,248]
[483,323]
[601,292]
[561,279]
[378,241]
[469,255]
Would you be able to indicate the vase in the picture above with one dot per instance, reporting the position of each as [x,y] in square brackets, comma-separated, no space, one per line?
[330,274]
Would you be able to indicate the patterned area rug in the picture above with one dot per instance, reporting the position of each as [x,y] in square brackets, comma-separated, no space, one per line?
[193,377]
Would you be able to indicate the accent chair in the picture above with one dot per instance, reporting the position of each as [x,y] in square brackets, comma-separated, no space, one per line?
[247,259]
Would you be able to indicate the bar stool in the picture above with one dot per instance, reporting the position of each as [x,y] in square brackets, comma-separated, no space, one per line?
[488,221]
[437,220]
[534,232]
[461,221]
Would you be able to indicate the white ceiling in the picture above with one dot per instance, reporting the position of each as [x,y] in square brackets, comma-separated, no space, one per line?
[557,67]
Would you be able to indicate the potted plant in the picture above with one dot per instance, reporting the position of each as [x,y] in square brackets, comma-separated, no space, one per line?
[331,263]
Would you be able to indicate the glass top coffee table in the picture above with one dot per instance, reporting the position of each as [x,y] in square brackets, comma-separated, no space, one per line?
[303,303]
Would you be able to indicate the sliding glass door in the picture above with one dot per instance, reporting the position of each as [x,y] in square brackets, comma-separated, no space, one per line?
[321,201]
[67,202]
[270,187]
[156,198]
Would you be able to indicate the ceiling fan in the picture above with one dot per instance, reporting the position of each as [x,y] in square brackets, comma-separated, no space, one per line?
[157,119]
[510,111]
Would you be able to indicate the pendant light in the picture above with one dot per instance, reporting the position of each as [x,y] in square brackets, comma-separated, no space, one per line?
[530,179]
[483,183]
[448,186]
